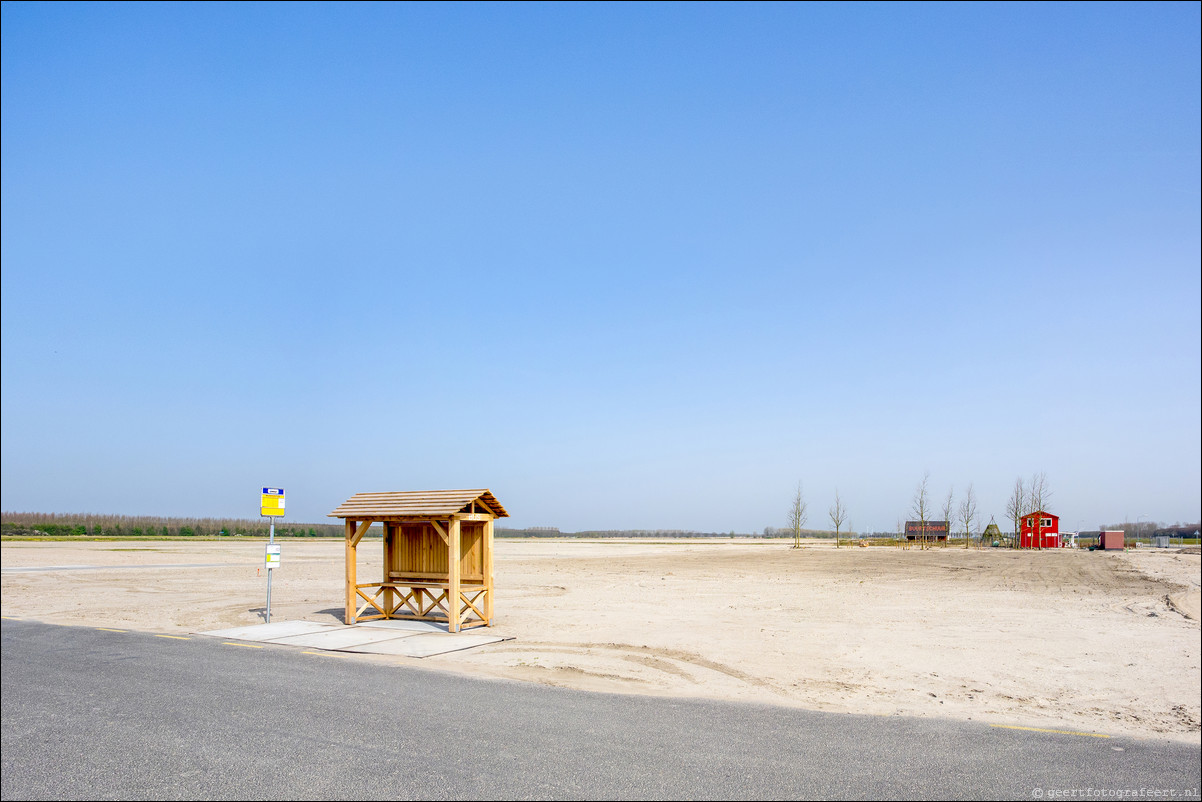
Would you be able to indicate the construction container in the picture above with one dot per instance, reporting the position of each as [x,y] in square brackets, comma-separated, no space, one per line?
[1111,541]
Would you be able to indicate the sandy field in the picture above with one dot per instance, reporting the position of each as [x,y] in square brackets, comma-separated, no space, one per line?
[1090,642]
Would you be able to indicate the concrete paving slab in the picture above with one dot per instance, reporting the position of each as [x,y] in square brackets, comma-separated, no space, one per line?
[395,637]
[344,638]
[410,626]
[272,631]
[425,645]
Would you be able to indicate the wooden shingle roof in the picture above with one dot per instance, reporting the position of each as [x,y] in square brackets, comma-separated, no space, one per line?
[416,503]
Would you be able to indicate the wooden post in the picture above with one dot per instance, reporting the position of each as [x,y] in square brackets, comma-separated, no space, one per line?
[488,578]
[390,531]
[351,596]
[453,572]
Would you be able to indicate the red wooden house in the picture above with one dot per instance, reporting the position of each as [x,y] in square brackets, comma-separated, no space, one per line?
[1040,530]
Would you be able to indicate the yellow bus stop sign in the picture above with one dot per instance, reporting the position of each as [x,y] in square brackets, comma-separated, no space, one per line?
[272,501]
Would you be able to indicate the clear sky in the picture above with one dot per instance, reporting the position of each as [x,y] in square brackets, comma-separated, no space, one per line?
[629,266]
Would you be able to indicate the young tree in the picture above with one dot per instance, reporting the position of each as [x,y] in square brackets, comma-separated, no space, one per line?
[921,508]
[838,515]
[968,513]
[797,517]
[1016,506]
[949,507]
[1038,495]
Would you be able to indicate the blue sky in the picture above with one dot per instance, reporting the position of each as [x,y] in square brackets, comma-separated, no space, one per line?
[629,266]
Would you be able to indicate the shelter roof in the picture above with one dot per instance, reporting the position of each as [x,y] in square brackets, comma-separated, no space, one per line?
[416,503]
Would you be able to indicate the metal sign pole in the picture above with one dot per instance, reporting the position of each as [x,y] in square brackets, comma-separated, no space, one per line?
[270,542]
[271,504]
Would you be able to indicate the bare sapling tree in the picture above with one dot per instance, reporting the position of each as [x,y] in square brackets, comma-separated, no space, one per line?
[1038,495]
[921,509]
[1016,506]
[968,513]
[797,516]
[949,508]
[838,515]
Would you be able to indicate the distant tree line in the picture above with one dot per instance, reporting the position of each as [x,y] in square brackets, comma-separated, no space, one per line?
[1150,528]
[550,531]
[49,524]
[43,524]
[787,531]
[767,532]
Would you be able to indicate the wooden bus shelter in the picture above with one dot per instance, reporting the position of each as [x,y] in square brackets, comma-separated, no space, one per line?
[437,556]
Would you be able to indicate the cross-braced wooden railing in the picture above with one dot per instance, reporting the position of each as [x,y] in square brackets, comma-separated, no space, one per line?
[420,601]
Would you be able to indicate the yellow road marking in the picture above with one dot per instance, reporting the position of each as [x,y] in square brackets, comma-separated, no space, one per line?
[173,637]
[9,618]
[1058,732]
[326,654]
[247,645]
[106,629]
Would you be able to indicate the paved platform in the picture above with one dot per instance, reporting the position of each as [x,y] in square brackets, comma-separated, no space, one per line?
[405,638]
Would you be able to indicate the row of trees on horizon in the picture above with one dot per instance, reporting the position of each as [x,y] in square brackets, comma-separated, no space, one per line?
[35,524]
[90,525]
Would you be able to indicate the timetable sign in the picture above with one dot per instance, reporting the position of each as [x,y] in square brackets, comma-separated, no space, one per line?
[272,501]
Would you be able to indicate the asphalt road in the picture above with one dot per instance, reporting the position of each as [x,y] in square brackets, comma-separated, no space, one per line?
[96,714]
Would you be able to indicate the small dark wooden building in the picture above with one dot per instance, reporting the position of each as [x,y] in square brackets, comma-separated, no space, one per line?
[927,530]
[438,556]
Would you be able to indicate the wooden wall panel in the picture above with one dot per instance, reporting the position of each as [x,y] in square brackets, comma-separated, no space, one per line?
[421,552]
[471,542]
